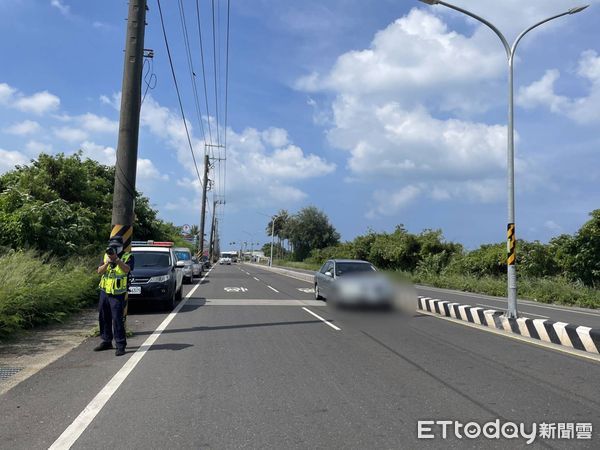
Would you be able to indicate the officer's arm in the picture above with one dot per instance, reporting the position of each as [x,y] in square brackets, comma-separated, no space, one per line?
[102,268]
[124,267]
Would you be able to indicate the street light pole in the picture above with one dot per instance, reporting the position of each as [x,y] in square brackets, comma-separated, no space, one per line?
[510,53]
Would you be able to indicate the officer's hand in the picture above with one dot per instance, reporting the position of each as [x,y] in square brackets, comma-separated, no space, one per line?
[112,257]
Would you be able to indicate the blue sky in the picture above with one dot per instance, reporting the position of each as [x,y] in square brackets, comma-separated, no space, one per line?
[379,113]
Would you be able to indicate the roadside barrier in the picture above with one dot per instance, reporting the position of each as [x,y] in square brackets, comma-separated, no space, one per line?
[560,333]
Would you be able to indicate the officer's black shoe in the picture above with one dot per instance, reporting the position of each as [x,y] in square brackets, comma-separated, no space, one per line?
[120,352]
[103,346]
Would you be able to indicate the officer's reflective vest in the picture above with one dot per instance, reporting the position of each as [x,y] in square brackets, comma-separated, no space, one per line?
[114,280]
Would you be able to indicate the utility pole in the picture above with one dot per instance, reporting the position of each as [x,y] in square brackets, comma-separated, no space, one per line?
[203,214]
[211,243]
[129,124]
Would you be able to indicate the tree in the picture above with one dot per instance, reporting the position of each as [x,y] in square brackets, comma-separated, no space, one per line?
[63,205]
[310,229]
[579,255]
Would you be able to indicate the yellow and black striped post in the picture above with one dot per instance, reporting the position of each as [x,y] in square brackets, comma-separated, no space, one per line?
[125,232]
[511,245]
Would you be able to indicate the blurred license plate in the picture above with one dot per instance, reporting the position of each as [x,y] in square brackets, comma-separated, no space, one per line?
[135,289]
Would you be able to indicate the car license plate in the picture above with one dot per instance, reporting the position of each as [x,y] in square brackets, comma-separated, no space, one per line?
[135,289]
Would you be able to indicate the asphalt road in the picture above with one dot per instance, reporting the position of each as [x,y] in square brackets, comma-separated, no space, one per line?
[248,362]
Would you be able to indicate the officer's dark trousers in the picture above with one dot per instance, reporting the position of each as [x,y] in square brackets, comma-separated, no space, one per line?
[111,310]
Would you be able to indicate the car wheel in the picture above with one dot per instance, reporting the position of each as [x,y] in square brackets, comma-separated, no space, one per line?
[318,295]
[179,295]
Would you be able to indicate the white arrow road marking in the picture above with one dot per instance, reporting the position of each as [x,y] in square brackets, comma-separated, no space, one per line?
[235,289]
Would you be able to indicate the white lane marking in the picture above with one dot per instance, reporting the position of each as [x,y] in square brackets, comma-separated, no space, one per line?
[256,278]
[307,290]
[504,302]
[272,288]
[320,318]
[524,312]
[83,420]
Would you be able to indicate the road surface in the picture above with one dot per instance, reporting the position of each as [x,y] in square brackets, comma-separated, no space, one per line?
[251,360]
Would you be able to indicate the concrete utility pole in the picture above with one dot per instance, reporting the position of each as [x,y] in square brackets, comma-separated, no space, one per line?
[211,243]
[129,123]
[511,238]
[203,214]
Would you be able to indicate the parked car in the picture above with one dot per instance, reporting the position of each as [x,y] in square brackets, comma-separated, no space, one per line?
[157,276]
[197,267]
[352,282]
[185,255]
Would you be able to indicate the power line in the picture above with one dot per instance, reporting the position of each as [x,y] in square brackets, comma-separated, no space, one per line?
[162,22]
[215,71]
[203,70]
[186,41]
[226,92]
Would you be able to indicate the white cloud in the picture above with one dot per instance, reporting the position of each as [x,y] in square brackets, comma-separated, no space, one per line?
[70,134]
[34,147]
[64,9]
[275,137]
[146,170]
[97,124]
[38,103]
[583,110]
[414,60]
[6,93]
[391,106]
[114,100]
[262,165]
[389,203]
[23,128]
[9,159]
[103,154]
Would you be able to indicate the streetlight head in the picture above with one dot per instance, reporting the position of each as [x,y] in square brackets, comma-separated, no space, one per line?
[578,9]
[430,2]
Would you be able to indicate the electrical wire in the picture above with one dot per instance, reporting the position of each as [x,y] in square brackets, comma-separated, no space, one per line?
[226,93]
[215,72]
[203,72]
[186,41]
[150,78]
[178,93]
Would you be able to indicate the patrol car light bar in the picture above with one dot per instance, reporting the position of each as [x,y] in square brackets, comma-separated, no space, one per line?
[153,243]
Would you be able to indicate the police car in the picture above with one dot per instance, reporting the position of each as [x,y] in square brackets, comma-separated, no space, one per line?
[157,276]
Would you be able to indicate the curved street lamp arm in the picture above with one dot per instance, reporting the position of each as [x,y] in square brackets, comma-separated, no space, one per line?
[523,33]
[482,20]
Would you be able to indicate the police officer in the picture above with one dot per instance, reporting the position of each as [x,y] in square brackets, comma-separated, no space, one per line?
[113,288]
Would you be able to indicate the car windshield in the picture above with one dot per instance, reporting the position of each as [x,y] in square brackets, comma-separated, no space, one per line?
[346,268]
[151,259]
[183,256]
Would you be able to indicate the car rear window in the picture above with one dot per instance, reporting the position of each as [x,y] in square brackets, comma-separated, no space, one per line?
[152,259]
[183,256]
[345,268]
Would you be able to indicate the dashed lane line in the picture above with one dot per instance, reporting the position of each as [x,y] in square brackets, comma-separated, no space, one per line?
[272,288]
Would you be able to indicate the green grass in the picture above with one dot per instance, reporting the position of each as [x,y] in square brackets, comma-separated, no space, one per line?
[36,291]
[296,264]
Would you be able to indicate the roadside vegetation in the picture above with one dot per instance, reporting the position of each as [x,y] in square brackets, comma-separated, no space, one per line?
[55,218]
[565,271]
